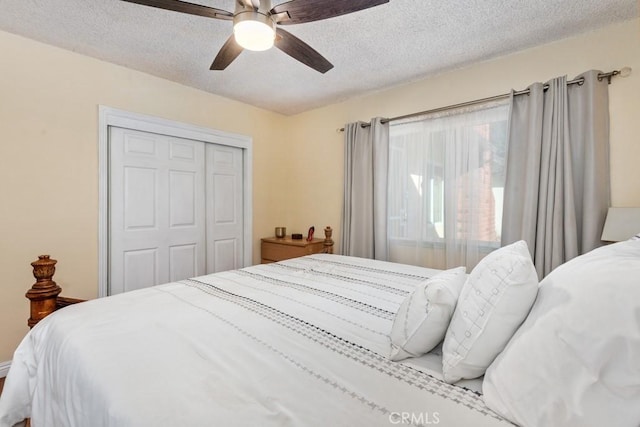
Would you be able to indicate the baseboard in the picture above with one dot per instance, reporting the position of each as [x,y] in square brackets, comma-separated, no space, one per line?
[4,368]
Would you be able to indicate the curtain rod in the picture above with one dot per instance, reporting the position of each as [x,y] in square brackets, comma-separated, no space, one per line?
[624,72]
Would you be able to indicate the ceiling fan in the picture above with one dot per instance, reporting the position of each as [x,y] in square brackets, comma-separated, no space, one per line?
[256,25]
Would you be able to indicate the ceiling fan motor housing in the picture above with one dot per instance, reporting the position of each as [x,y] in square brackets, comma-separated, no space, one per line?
[254,30]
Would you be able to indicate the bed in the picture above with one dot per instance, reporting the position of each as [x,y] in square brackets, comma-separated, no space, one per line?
[301,342]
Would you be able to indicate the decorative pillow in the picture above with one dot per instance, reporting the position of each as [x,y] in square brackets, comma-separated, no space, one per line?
[576,359]
[423,317]
[495,299]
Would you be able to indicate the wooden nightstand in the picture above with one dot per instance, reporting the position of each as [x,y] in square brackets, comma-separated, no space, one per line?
[273,249]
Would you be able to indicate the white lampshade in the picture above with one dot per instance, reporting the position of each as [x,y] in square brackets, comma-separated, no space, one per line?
[254,34]
[621,224]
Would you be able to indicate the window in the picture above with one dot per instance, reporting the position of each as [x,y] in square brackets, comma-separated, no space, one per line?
[446,181]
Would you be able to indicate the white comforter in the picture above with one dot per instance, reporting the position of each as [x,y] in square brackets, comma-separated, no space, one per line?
[303,342]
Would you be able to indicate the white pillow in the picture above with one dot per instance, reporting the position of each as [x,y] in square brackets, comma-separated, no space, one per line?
[576,359]
[495,300]
[423,317]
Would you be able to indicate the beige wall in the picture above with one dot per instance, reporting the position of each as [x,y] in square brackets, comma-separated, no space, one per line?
[48,162]
[317,147]
[48,148]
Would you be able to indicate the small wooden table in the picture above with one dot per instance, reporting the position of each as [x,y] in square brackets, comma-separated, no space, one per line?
[273,249]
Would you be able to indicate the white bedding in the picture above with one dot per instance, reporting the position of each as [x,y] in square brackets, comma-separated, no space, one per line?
[303,342]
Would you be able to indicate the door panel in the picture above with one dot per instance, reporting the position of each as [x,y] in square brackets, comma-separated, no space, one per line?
[140,268]
[140,198]
[224,188]
[181,151]
[183,197]
[183,262]
[140,143]
[225,253]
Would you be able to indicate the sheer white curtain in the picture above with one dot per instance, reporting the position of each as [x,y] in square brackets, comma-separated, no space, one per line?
[364,214]
[558,188]
[446,180]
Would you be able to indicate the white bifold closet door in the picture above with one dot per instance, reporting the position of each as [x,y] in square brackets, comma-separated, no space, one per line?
[172,203]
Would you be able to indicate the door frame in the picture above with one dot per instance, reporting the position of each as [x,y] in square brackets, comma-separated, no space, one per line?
[108,116]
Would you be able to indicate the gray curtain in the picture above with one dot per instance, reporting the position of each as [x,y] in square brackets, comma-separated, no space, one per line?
[364,215]
[557,187]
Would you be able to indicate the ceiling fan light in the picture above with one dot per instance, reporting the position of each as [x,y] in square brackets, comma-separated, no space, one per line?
[254,31]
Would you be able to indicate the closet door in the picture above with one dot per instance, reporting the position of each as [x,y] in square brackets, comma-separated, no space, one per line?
[157,215]
[225,210]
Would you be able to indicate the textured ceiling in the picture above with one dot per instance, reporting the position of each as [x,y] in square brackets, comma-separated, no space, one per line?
[384,46]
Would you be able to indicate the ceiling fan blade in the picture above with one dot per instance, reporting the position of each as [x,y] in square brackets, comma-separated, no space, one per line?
[230,51]
[184,7]
[297,49]
[301,11]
